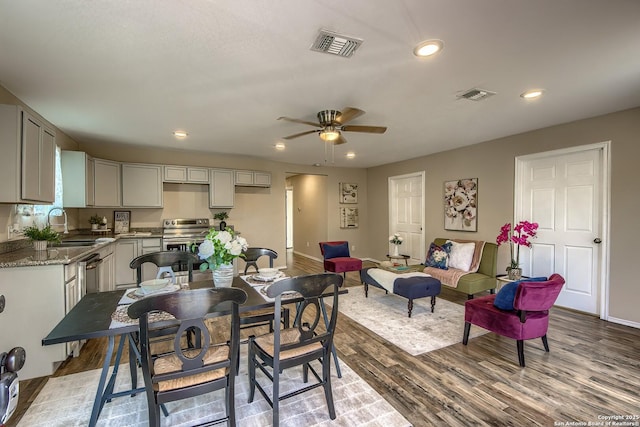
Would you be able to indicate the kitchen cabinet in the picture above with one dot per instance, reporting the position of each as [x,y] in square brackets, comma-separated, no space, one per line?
[77,179]
[27,164]
[221,188]
[186,174]
[35,303]
[127,250]
[244,178]
[107,183]
[141,185]
[106,278]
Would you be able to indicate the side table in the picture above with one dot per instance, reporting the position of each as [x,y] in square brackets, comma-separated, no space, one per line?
[404,257]
[502,280]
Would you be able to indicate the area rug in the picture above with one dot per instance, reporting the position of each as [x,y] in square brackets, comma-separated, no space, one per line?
[386,315]
[67,401]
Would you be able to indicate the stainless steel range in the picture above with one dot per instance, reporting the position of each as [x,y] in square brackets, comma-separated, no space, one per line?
[179,234]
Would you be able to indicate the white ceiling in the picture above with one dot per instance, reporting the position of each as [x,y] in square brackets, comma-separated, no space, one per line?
[132,72]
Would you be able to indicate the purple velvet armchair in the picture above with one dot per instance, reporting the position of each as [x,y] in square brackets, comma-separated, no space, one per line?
[529,318]
[337,259]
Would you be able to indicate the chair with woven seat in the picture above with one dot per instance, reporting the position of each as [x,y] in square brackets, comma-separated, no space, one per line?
[190,372]
[337,258]
[526,318]
[307,341]
[164,260]
[251,256]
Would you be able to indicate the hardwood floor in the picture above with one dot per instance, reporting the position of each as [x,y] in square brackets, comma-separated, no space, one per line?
[593,370]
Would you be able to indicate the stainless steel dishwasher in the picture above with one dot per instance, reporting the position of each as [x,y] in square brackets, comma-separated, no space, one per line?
[89,274]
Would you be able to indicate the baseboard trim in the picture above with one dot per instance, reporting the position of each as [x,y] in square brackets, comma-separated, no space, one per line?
[624,322]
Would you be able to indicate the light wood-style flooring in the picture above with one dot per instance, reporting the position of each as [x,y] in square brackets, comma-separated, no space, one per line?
[592,371]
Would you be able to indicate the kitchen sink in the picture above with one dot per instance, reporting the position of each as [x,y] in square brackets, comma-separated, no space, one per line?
[72,243]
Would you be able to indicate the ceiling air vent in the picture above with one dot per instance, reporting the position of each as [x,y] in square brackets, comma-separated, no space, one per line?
[335,44]
[476,94]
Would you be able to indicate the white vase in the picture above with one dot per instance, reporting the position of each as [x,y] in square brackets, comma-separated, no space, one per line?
[40,245]
[396,250]
[223,276]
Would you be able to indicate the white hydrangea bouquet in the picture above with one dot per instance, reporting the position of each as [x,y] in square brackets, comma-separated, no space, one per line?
[220,248]
[396,239]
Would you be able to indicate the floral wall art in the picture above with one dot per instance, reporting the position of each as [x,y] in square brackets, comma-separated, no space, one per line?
[461,205]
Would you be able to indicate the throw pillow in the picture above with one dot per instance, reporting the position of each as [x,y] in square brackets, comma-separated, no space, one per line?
[461,255]
[438,256]
[507,294]
[336,251]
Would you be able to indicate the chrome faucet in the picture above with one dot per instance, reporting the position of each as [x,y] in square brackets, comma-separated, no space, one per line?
[66,230]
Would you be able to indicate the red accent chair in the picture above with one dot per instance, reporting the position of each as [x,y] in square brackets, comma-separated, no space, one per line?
[337,259]
[529,318]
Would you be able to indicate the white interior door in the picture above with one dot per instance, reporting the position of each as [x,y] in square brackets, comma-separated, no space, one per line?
[562,192]
[406,195]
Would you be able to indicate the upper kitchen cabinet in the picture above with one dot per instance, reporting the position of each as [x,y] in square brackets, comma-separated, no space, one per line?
[77,179]
[253,179]
[27,165]
[186,174]
[141,185]
[221,188]
[106,183]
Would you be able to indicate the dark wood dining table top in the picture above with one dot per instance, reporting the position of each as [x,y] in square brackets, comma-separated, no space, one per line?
[91,316]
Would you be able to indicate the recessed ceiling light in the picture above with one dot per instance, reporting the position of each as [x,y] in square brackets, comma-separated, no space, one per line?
[351,155]
[532,94]
[180,134]
[280,146]
[428,48]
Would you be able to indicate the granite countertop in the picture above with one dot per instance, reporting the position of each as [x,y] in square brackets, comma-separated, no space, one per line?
[26,256]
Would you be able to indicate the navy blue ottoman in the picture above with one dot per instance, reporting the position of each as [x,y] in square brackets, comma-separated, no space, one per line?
[417,287]
[409,287]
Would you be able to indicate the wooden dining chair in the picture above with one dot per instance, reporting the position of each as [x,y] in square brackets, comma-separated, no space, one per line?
[307,341]
[251,256]
[164,260]
[188,372]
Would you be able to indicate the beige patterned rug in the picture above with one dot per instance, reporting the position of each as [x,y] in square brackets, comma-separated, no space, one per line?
[386,315]
[67,401]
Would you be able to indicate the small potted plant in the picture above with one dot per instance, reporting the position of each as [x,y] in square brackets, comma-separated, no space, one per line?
[95,221]
[41,236]
[222,216]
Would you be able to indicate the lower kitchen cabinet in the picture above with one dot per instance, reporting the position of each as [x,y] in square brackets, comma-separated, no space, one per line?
[107,280]
[127,250]
[35,303]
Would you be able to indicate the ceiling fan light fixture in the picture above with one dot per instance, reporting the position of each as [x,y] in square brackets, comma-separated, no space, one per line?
[329,134]
[428,48]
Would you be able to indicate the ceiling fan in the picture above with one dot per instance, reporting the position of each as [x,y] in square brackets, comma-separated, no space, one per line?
[332,123]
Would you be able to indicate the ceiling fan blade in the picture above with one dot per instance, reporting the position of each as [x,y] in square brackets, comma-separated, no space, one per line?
[304,122]
[367,129]
[340,140]
[349,114]
[300,134]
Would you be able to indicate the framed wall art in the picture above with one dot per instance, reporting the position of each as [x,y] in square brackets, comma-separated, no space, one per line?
[348,192]
[348,217]
[121,221]
[461,205]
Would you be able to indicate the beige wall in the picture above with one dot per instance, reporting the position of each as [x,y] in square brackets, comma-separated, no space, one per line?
[309,213]
[493,163]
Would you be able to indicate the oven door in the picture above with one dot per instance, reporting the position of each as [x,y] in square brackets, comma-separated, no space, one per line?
[181,245]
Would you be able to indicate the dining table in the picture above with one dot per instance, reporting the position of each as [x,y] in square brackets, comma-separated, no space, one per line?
[93,317]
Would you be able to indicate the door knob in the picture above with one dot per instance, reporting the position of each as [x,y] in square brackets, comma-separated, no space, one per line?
[597,240]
